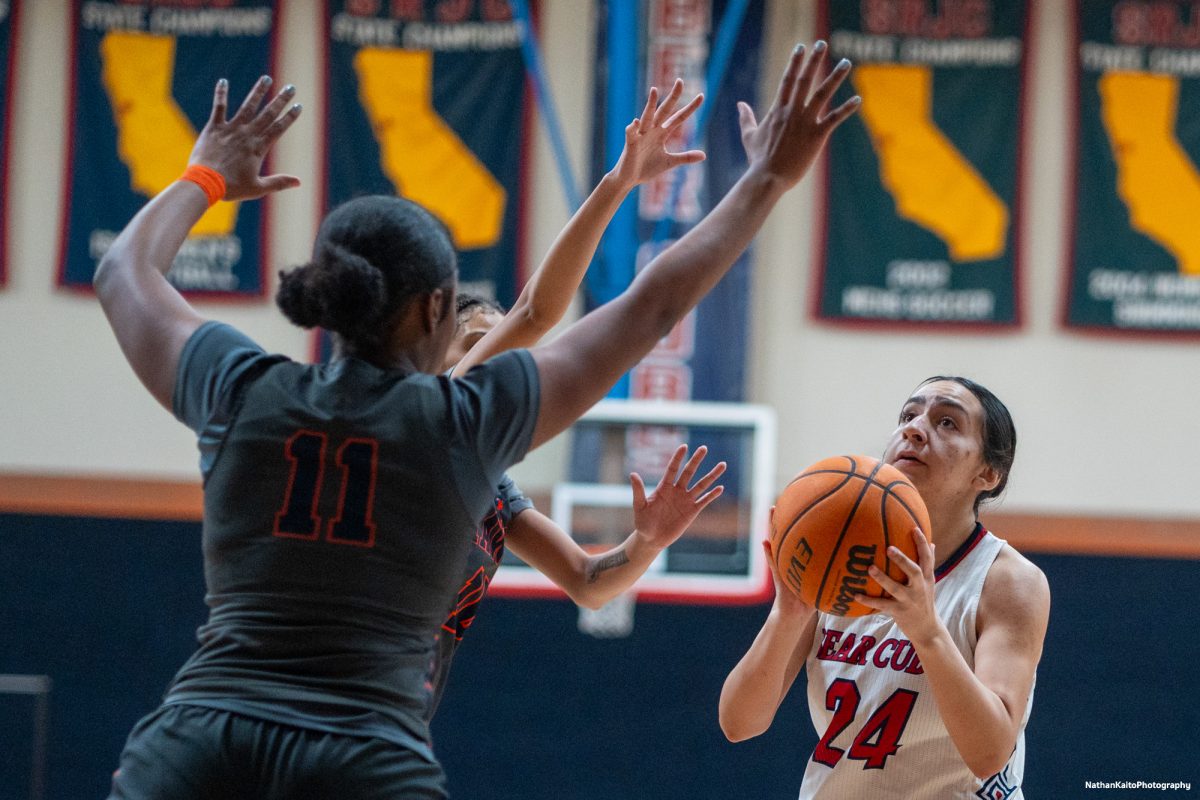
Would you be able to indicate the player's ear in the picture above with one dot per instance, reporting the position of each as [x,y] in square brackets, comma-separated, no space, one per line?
[434,307]
[986,479]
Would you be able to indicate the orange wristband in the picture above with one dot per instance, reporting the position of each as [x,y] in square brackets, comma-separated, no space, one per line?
[208,179]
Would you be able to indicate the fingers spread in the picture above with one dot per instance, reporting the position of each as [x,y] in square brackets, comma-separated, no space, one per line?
[651,103]
[693,464]
[679,116]
[273,109]
[841,113]
[220,102]
[746,118]
[283,123]
[639,490]
[668,103]
[688,157]
[788,82]
[832,81]
[708,497]
[669,476]
[277,183]
[808,74]
[253,100]
[709,478]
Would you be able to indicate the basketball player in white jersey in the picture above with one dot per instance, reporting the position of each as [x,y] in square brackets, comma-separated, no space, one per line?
[929,697]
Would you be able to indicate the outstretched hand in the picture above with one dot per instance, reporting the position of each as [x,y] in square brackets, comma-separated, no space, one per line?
[662,517]
[236,147]
[645,155]
[787,140]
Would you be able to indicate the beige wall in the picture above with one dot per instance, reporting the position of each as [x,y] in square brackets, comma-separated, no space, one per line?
[1107,426]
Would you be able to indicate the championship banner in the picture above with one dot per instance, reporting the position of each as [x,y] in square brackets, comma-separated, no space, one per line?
[1135,265]
[922,183]
[426,99]
[8,24]
[142,79]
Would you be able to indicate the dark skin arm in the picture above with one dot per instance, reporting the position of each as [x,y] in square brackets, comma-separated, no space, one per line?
[547,296]
[579,367]
[151,319]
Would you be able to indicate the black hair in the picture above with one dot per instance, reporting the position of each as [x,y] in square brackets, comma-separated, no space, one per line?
[371,256]
[469,302]
[999,433]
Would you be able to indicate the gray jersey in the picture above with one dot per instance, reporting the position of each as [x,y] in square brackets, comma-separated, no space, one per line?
[341,504]
[482,564]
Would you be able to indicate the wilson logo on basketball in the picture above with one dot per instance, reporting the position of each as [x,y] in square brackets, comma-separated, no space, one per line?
[854,580]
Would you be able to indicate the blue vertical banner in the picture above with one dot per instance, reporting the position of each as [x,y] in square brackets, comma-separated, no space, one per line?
[142,79]
[426,99]
[8,24]
[1135,241]
[923,183]
[703,356]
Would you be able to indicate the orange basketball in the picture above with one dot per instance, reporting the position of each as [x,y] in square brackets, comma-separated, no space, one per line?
[836,519]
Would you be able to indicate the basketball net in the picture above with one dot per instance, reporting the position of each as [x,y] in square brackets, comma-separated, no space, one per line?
[613,620]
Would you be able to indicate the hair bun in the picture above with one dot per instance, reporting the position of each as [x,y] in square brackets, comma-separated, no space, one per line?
[342,292]
[296,299]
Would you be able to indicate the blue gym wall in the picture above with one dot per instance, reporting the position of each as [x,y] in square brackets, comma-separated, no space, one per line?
[108,609]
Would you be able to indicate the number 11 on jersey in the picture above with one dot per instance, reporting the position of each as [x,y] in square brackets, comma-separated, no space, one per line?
[352,524]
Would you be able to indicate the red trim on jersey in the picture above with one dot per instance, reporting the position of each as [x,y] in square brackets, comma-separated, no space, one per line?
[962,552]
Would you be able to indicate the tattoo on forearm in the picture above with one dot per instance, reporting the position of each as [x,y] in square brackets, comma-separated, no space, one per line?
[605,563]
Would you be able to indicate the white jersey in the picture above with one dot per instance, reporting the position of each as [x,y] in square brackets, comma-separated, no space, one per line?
[881,733]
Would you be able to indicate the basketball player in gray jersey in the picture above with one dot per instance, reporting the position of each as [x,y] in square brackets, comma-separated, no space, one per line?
[341,500]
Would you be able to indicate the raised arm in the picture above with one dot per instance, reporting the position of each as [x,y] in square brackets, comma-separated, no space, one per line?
[761,679]
[659,519]
[548,293]
[151,319]
[579,367]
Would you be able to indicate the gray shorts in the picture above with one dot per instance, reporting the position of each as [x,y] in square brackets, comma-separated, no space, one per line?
[183,751]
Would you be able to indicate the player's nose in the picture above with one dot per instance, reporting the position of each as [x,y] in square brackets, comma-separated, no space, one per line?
[913,432]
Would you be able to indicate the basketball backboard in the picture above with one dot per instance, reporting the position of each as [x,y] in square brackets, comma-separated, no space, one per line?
[718,559]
